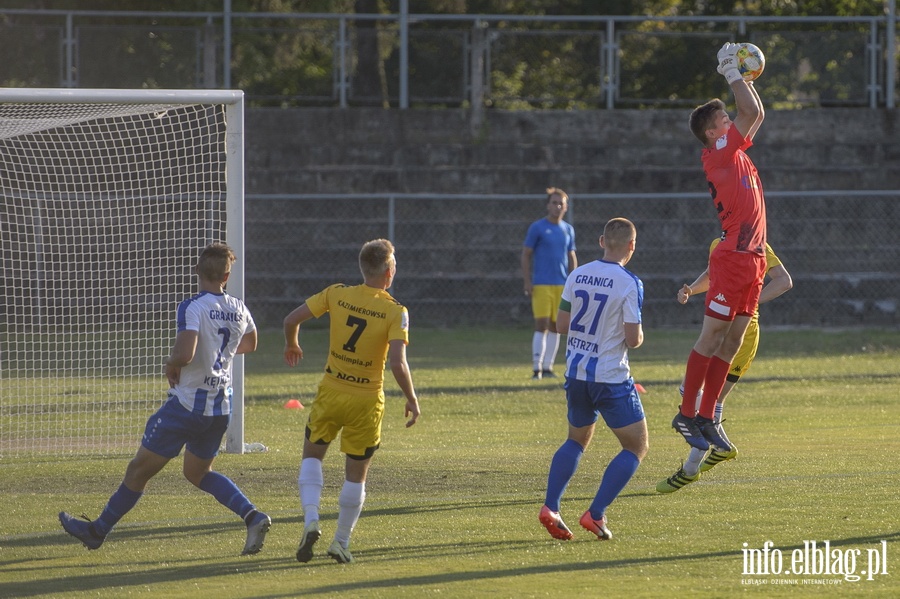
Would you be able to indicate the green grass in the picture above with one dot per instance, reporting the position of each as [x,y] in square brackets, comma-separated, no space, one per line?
[452,502]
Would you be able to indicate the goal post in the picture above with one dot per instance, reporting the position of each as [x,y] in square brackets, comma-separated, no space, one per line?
[106,199]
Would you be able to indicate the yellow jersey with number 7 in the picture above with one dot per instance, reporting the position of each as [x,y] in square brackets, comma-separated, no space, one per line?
[364,320]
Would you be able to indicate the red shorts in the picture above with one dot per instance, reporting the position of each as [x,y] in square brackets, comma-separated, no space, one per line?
[735,281]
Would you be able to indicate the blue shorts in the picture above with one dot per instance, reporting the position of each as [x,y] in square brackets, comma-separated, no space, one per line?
[619,404]
[173,426]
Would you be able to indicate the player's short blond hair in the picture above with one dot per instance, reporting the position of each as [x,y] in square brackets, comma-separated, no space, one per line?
[376,257]
[556,191]
[703,119]
[618,232]
[215,262]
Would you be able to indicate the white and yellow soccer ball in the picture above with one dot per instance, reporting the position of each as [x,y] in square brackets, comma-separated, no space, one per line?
[751,61]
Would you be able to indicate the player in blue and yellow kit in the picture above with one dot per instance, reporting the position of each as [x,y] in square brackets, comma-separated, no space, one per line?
[212,327]
[548,256]
[366,325]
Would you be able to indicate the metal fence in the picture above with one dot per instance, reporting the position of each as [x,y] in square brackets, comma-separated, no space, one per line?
[459,255]
[402,60]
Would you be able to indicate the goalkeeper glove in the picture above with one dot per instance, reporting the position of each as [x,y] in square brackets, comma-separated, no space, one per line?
[727,49]
[728,64]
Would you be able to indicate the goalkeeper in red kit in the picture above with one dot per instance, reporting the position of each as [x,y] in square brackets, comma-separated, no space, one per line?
[737,266]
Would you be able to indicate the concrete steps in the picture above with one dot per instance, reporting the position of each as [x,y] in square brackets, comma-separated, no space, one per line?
[459,259]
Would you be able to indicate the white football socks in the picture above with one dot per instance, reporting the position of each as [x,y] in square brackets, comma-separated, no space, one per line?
[538,348]
[692,465]
[552,347]
[310,482]
[351,500]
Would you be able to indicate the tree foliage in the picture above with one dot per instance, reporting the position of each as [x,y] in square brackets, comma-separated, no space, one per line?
[281,60]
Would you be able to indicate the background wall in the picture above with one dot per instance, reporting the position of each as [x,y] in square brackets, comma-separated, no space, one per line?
[319,181]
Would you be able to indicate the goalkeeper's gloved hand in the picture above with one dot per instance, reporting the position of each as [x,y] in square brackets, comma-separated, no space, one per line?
[727,49]
[728,64]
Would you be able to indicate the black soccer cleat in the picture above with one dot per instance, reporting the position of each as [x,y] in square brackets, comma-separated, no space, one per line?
[688,429]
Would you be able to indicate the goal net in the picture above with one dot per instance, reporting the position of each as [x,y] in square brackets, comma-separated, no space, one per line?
[106,199]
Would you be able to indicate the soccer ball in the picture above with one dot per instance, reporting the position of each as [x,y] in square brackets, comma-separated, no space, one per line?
[751,61]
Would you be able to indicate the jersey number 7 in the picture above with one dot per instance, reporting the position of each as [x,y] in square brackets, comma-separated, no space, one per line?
[360,326]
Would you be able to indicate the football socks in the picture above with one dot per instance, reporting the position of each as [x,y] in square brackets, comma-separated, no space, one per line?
[694,374]
[619,471]
[712,385]
[119,504]
[562,468]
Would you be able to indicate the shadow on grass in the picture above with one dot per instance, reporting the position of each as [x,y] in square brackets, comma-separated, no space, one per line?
[567,568]
[162,571]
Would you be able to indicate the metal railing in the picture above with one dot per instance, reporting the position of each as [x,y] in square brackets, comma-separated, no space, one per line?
[503,61]
[837,244]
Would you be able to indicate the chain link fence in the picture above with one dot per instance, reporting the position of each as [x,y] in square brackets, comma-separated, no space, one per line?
[458,256]
[501,61]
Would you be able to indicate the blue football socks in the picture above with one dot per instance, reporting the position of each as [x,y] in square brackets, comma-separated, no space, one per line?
[119,504]
[562,468]
[619,471]
[227,493]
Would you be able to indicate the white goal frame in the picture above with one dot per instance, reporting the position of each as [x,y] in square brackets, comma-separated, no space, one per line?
[233,102]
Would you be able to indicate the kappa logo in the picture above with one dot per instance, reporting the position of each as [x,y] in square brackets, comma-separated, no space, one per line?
[719,305]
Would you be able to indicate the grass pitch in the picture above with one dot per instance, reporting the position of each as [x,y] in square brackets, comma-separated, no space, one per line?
[452,502]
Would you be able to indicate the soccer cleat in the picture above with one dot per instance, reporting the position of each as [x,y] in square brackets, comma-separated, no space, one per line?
[311,534]
[339,553]
[598,527]
[256,533]
[536,376]
[717,457]
[548,374]
[554,524]
[690,431]
[713,432]
[676,481]
[722,434]
[81,530]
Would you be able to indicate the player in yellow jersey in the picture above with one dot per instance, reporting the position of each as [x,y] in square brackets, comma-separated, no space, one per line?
[699,460]
[366,322]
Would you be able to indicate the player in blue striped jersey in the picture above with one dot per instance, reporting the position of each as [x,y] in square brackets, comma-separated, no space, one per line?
[212,327]
[600,312]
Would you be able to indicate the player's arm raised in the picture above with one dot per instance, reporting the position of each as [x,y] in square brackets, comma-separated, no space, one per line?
[762,112]
[750,112]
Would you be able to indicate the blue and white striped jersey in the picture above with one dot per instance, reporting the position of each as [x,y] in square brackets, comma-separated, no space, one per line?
[220,321]
[603,296]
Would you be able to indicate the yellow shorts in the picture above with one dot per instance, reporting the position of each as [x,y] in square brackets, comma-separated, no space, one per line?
[545,301]
[356,417]
[744,357]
